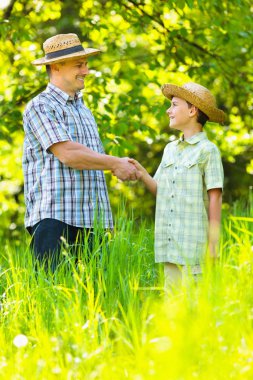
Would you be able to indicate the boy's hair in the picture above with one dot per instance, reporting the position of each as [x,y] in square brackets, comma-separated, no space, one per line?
[202,118]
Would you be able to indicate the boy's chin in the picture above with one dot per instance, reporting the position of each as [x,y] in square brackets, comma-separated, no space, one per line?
[173,126]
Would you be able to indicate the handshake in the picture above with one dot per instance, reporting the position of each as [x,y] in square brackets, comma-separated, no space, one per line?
[128,169]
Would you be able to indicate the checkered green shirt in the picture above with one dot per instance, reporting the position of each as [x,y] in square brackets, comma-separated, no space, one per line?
[189,168]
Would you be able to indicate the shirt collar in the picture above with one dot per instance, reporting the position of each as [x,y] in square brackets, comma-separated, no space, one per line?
[193,139]
[61,96]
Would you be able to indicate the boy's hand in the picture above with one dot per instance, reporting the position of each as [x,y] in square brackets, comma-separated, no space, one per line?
[143,175]
[140,169]
[212,251]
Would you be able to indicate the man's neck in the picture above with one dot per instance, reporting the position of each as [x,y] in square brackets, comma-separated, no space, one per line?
[56,84]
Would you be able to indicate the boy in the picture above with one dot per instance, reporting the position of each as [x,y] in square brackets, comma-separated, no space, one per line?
[188,185]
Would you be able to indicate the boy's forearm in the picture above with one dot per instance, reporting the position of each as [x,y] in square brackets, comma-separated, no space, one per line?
[150,183]
[213,232]
[214,216]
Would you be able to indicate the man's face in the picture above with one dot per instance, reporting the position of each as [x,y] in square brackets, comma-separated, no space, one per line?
[179,113]
[71,74]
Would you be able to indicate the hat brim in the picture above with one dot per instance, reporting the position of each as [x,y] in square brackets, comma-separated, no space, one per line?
[214,114]
[84,53]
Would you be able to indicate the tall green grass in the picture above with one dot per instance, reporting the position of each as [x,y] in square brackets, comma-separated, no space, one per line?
[110,318]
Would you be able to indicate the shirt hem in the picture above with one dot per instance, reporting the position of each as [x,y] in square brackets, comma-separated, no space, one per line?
[88,225]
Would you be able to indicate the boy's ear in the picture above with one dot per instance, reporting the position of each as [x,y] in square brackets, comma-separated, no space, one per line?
[193,110]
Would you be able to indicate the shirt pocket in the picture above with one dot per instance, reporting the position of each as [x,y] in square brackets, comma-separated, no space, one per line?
[166,171]
[168,161]
[189,178]
[190,164]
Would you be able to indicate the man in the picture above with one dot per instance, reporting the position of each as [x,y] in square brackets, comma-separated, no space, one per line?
[63,160]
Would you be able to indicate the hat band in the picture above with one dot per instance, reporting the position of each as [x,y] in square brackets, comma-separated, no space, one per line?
[63,52]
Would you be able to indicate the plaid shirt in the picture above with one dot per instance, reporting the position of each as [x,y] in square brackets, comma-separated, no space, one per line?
[53,190]
[189,168]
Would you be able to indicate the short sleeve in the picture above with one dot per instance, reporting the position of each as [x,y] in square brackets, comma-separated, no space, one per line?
[46,125]
[157,173]
[213,171]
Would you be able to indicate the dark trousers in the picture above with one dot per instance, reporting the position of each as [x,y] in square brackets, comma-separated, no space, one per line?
[49,236]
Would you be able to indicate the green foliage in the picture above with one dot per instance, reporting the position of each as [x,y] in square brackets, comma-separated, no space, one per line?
[145,44]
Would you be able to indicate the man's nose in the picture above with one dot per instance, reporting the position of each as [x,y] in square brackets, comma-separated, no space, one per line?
[168,111]
[85,70]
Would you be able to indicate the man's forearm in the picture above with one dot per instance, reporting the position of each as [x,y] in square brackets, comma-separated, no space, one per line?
[78,156]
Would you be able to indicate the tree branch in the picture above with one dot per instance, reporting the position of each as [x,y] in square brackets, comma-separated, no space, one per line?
[7,13]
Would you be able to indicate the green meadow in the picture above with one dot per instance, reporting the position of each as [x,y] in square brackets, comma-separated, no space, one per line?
[110,318]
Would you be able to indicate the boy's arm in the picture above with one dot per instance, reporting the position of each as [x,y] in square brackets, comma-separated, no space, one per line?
[143,175]
[214,216]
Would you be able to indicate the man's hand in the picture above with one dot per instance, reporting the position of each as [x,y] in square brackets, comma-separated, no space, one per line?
[125,170]
[80,157]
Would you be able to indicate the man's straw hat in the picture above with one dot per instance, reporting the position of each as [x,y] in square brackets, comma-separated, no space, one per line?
[197,95]
[63,47]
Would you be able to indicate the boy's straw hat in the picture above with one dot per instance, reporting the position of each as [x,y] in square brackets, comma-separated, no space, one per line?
[197,95]
[63,47]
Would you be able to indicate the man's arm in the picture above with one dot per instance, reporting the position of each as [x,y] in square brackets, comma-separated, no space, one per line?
[78,156]
[214,216]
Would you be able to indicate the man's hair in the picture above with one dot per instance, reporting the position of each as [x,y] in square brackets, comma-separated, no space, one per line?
[48,68]
[202,118]
[49,71]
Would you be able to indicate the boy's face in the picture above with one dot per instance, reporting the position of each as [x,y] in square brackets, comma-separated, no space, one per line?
[180,113]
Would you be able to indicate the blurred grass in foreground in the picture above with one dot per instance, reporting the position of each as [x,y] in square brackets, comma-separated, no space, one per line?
[110,318]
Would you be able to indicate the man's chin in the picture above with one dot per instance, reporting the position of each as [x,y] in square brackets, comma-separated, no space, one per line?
[80,87]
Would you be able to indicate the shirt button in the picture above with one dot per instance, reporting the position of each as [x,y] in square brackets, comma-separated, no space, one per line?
[171,210]
[172,196]
[170,225]
[169,239]
[176,167]
[173,181]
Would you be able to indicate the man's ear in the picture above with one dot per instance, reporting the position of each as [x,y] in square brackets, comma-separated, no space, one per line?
[55,67]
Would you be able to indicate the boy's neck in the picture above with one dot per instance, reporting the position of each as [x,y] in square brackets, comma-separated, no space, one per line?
[192,131]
